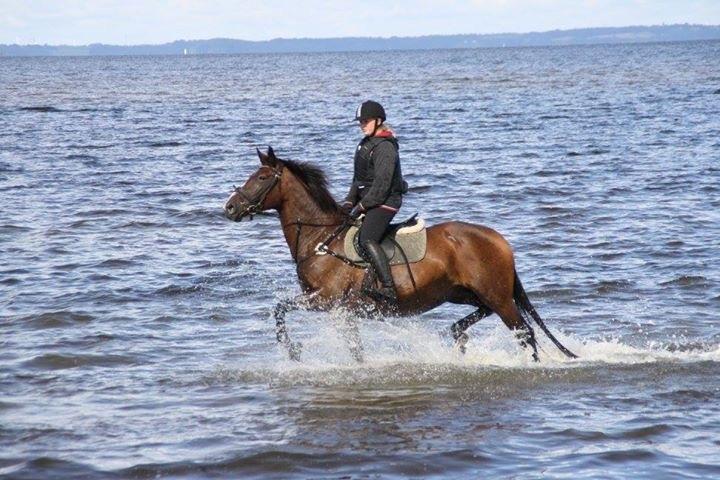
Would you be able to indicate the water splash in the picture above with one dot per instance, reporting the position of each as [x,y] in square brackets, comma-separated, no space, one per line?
[405,352]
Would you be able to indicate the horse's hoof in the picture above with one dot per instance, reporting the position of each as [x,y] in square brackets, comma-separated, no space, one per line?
[358,356]
[461,341]
[294,350]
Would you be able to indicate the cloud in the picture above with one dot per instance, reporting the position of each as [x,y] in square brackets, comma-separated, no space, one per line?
[10,21]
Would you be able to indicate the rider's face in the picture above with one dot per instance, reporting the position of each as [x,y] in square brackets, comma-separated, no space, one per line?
[368,126]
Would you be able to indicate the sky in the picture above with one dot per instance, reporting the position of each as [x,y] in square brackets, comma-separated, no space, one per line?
[129,22]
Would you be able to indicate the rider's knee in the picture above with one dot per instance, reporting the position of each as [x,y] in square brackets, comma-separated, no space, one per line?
[365,243]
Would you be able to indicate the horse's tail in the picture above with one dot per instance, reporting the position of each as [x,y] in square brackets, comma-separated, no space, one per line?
[523,303]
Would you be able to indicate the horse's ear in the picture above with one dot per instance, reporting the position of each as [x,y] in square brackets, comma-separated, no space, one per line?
[268,159]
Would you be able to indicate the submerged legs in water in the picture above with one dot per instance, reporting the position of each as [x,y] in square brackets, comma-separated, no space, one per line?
[351,334]
[350,331]
[281,309]
[458,328]
[523,331]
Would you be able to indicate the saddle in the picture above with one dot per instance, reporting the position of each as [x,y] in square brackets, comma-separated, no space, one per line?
[410,236]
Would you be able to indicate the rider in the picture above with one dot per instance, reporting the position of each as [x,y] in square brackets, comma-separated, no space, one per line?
[376,190]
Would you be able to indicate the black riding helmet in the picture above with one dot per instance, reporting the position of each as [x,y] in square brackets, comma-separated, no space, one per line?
[370,109]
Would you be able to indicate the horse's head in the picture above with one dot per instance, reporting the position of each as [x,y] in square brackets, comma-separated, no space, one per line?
[260,191]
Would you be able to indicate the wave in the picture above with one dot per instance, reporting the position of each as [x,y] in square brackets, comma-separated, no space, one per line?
[613,286]
[413,355]
[62,361]
[93,146]
[115,263]
[81,156]
[56,319]
[41,108]
[267,462]
[7,167]
[687,281]
[164,144]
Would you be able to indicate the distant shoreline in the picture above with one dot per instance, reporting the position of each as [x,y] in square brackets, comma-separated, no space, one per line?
[581,36]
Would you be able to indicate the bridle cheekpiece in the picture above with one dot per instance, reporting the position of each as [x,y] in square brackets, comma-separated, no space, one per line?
[254,205]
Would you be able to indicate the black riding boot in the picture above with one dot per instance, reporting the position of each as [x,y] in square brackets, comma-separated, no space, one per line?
[376,256]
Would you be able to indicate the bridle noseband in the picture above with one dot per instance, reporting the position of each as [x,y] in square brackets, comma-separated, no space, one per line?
[254,205]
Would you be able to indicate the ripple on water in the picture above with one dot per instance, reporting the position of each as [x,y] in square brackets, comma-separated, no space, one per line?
[56,319]
[613,286]
[164,144]
[48,467]
[41,109]
[645,432]
[687,281]
[175,290]
[687,396]
[7,167]
[81,156]
[115,263]
[278,463]
[62,361]
[9,405]
[628,455]
[8,229]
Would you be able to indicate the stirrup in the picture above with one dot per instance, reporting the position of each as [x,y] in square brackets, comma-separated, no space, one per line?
[386,296]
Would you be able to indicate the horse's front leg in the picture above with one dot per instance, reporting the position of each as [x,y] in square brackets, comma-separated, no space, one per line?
[279,312]
[351,333]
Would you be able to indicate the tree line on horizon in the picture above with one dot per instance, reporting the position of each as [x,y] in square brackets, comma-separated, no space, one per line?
[581,36]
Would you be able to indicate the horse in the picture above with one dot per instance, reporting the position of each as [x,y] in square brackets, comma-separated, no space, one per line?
[464,263]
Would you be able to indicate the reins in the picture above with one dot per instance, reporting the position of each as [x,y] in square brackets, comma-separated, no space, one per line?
[298,229]
[254,207]
[322,248]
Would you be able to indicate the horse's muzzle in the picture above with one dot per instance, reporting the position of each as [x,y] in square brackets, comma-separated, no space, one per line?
[232,212]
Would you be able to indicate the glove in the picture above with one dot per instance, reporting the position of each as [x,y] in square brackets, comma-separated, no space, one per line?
[346,208]
[356,211]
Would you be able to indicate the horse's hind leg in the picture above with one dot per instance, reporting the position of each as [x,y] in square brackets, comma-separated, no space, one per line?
[458,328]
[524,332]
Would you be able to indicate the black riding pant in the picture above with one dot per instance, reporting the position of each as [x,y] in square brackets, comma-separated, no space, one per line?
[374,225]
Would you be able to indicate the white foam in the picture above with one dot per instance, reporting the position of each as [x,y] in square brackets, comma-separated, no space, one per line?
[414,341]
[417,351]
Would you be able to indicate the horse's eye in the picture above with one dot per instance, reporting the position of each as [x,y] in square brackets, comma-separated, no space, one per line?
[262,177]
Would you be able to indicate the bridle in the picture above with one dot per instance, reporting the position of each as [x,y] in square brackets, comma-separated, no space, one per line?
[254,205]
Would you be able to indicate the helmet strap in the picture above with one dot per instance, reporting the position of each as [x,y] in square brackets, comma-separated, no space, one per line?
[378,122]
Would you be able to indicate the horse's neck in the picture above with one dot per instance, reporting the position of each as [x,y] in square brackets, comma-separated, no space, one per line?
[301,218]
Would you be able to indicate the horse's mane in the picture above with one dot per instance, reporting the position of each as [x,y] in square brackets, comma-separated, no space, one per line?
[315,182]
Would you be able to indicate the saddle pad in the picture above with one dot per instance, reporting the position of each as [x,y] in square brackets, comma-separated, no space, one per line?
[413,241]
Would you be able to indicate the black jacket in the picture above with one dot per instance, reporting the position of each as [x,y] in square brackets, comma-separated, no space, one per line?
[377,179]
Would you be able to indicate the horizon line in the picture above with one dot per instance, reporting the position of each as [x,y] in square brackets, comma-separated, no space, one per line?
[360,37]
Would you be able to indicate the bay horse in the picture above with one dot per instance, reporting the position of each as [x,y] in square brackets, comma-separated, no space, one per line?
[464,264]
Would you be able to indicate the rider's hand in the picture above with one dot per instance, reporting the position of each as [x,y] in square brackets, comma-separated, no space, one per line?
[346,207]
[356,211]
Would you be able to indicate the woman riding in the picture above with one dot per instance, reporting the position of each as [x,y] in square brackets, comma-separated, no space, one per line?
[376,191]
